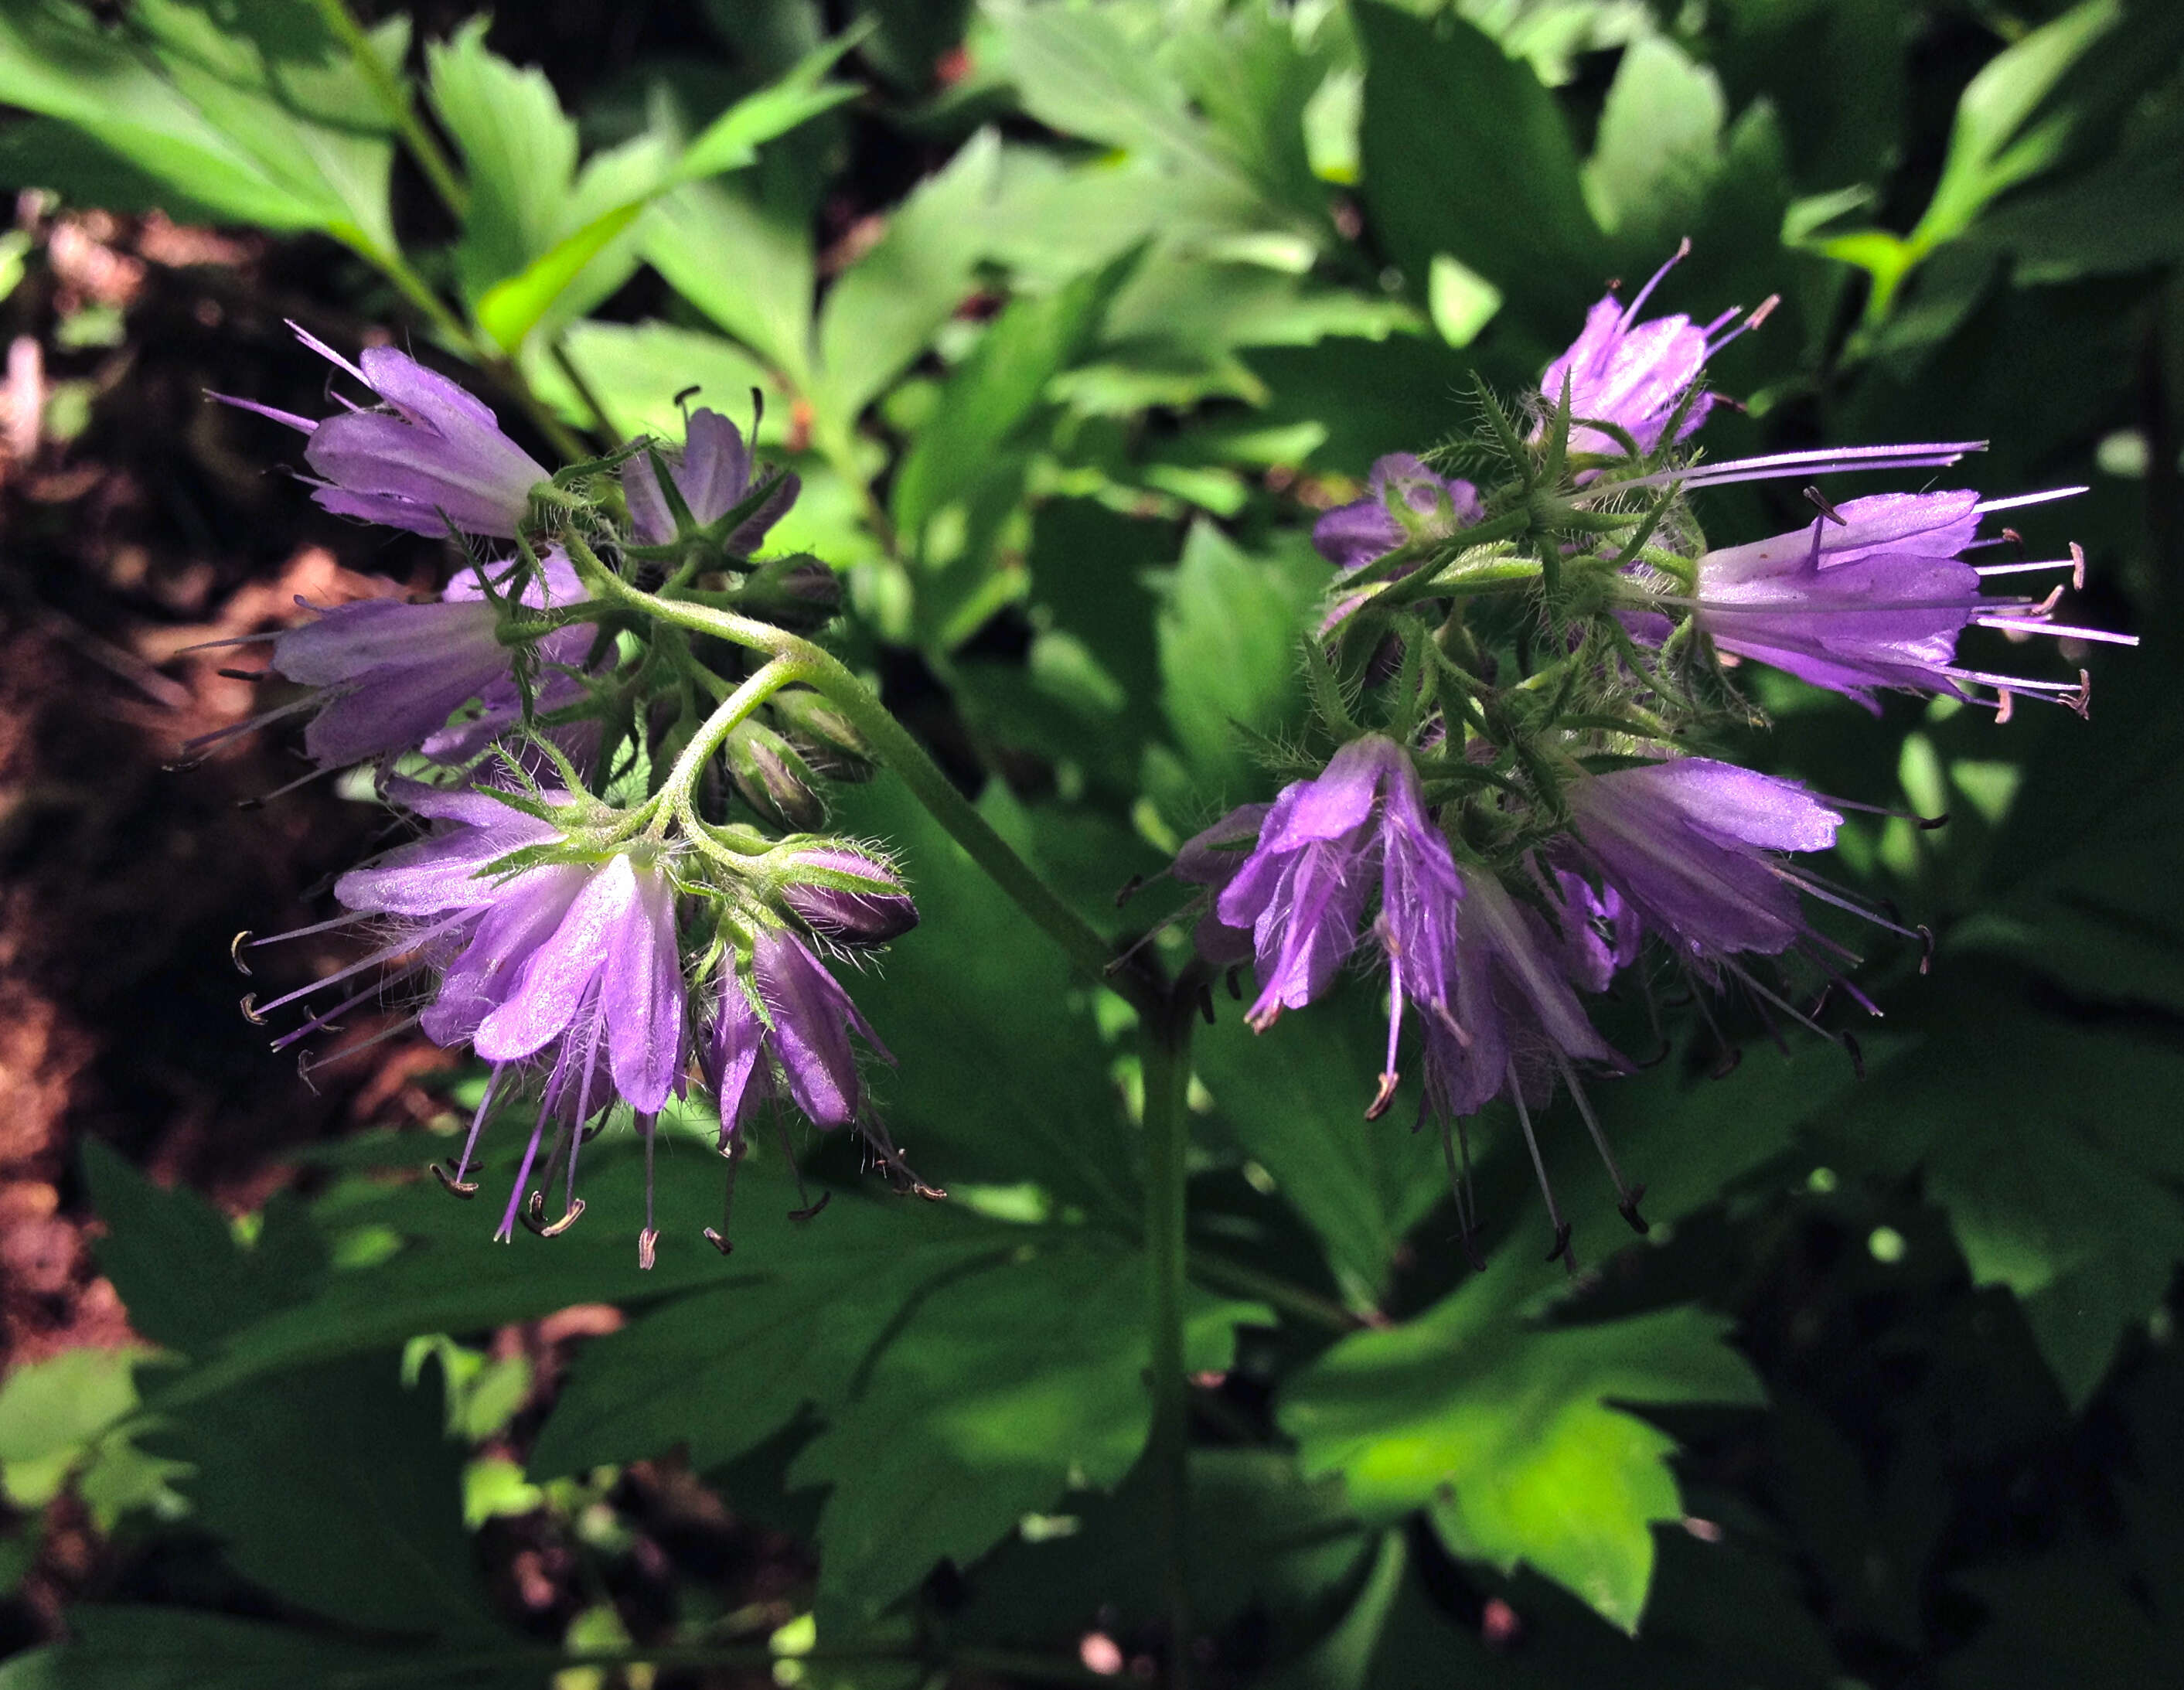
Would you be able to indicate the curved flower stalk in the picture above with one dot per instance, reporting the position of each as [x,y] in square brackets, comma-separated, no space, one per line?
[432,459]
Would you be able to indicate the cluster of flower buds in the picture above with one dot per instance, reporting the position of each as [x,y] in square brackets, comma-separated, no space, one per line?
[587,910]
[1520,669]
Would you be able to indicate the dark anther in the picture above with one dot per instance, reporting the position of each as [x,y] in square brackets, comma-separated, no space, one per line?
[586,1134]
[1891,909]
[1819,501]
[918,1188]
[688,394]
[250,1007]
[534,1216]
[1659,1055]
[1467,1242]
[1628,1209]
[1131,888]
[1925,949]
[825,1198]
[1732,1058]
[1928,823]
[183,765]
[1857,1056]
[648,1247]
[1383,1097]
[2081,702]
[1236,985]
[464,1189]
[723,1245]
[1206,1003]
[1561,1252]
[242,674]
[2015,539]
[758,413]
[235,951]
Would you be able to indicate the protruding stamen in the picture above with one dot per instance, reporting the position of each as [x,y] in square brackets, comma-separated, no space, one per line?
[250,1010]
[1384,1096]
[1627,1193]
[648,1248]
[2025,623]
[235,952]
[507,1228]
[1630,311]
[1539,1166]
[1820,502]
[649,1238]
[734,1152]
[534,1216]
[2017,501]
[464,1189]
[1925,949]
[1459,1185]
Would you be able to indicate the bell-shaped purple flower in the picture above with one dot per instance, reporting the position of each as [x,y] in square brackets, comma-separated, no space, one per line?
[1303,888]
[1212,859]
[713,474]
[811,1018]
[1691,845]
[848,894]
[432,459]
[1353,535]
[1636,375]
[736,1069]
[608,978]
[1874,594]
[389,674]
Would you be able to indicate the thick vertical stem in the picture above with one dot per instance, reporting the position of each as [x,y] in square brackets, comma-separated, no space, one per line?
[1165,1052]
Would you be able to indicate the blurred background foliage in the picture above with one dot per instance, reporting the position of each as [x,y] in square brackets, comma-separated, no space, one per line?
[1072,317]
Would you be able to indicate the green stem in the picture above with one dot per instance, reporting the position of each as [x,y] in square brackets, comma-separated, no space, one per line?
[891,743]
[1164,1046]
[1307,1306]
[419,139]
[767,679]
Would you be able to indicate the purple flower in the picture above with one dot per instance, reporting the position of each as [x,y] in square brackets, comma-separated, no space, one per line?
[1874,594]
[389,674]
[811,1020]
[606,978]
[1517,1028]
[1351,535]
[735,1054]
[1602,933]
[847,895]
[1689,845]
[434,458]
[1634,375]
[1303,888]
[1211,859]
[713,474]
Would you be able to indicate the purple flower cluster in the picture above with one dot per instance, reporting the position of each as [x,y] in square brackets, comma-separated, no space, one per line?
[540,926]
[1505,863]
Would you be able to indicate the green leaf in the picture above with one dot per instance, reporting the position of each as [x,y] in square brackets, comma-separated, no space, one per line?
[1227,634]
[1465,153]
[763,296]
[730,141]
[1295,1098]
[509,311]
[335,1489]
[796,1335]
[637,368]
[184,1280]
[974,993]
[271,123]
[2124,216]
[996,390]
[173,1648]
[57,1421]
[1995,142]
[883,311]
[1506,1434]
[519,152]
[1658,144]
[1002,1390]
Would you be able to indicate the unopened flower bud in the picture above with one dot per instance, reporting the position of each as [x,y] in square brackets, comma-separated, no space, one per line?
[823,732]
[848,894]
[774,779]
[798,592]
